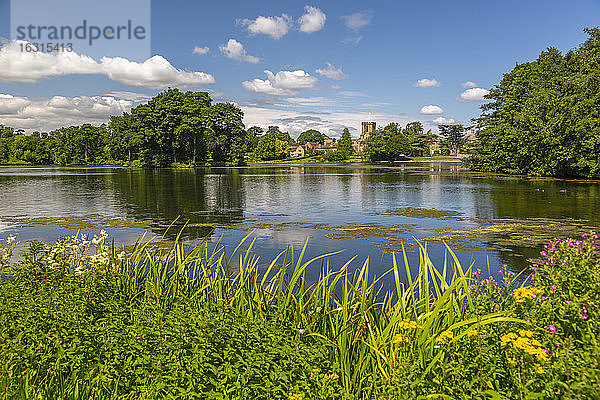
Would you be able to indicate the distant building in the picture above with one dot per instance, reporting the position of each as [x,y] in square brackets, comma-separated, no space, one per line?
[297,151]
[359,144]
[367,128]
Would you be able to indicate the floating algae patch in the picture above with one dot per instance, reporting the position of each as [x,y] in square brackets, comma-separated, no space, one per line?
[506,233]
[287,225]
[365,232]
[92,221]
[414,212]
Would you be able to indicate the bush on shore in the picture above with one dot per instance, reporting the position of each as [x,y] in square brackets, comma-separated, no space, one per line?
[80,321]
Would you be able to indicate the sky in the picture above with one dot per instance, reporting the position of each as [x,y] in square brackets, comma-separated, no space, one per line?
[301,65]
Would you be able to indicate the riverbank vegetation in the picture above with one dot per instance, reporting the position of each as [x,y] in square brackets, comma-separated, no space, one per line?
[81,320]
[542,118]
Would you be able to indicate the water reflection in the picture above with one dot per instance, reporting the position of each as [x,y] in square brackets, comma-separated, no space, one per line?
[365,210]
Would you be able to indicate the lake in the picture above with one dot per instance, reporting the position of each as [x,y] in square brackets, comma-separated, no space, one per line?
[488,220]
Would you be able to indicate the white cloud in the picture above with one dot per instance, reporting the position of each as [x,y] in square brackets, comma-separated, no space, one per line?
[336,87]
[132,96]
[313,20]
[358,20]
[431,110]
[353,40]
[48,114]
[443,121]
[469,84]
[201,50]
[284,83]
[264,86]
[235,50]
[30,67]
[276,27]
[353,93]
[332,72]
[154,73]
[11,105]
[427,83]
[474,94]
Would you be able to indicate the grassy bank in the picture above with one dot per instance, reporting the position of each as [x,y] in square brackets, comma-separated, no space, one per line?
[79,321]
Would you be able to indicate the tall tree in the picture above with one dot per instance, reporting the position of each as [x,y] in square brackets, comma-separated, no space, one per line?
[345,143]
[543,117]
[454,135]
[311,135]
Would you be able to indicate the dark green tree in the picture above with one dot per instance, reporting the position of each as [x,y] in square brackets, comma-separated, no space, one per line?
[311,135]
[454,136]
[345,143]
[543,118]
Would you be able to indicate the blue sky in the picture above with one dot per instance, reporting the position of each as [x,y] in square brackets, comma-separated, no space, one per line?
[377,52]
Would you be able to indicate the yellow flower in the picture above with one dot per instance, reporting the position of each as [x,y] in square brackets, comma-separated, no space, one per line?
[444,337]
[509,337]
[400,339]
[527,293]
[474,333]
[526,343]
[408,324]
[539,369]
[296,396]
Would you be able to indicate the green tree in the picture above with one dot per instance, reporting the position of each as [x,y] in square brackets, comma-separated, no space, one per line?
[285,136]
[269,148]
[311,135]
[345,143]
[543,118]
[454,135]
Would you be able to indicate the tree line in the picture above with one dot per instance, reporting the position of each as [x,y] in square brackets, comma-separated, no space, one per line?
[543,117]
[173,127]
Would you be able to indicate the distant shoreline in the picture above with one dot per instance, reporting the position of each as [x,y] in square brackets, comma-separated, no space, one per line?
[448,160]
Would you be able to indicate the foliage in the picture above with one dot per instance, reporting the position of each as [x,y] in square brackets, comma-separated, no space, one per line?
[252,136]
[81,321]
[345,144]
[269,148]
[281,136]
[311,135]
[454,136]
[393,143]
[335,156]
[386,145]
[543,116]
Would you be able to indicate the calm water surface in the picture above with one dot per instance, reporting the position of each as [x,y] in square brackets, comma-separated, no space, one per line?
[369,212]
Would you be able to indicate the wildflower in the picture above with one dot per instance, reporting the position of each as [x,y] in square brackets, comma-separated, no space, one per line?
[525,333]
[553,287]
[552,328]
[539,369]
[526,293]
[567,302]
[444,337]
[473,334]
[508,338]
[584,316]
[408,324]
[543,253]
[400,339]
